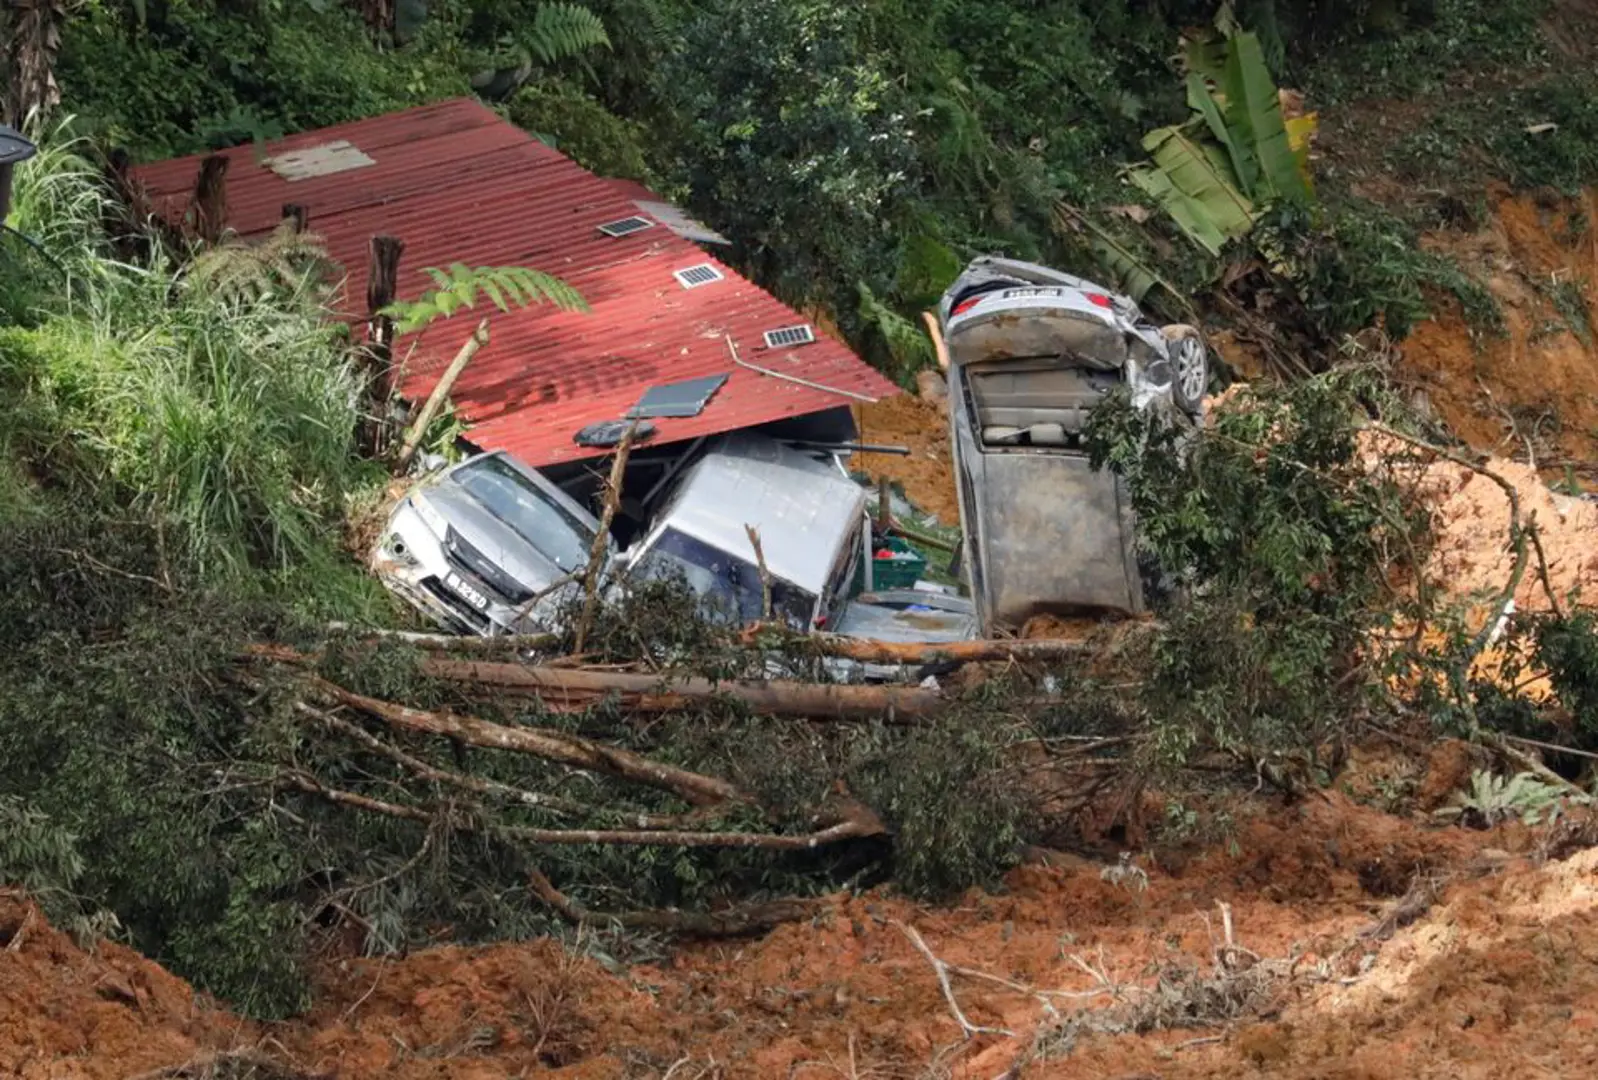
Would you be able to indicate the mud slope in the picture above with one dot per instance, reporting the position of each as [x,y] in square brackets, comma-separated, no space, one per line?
[1530,392]
[1499,978]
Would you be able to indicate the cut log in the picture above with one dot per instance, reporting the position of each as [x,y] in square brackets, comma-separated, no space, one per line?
[575,689]
[895,652]
[557,746]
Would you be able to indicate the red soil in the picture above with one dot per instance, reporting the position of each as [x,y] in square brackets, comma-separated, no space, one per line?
[1501,977]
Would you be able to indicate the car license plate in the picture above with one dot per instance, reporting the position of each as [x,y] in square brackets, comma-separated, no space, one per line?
[478,599]
[1011,294]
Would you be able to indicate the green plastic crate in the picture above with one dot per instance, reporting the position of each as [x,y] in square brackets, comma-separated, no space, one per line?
[897,573]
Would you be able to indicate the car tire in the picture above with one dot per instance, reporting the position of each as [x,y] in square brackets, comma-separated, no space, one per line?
[1190,367]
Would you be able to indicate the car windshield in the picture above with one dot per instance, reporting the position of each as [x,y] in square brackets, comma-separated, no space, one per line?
[534,516]
[729,586]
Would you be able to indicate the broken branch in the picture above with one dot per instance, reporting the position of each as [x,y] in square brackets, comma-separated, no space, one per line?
[851,828]
[435,400]
[490,788]
[730,923]
[559,747]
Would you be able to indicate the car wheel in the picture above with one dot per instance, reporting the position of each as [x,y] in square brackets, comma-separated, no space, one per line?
[1190,362]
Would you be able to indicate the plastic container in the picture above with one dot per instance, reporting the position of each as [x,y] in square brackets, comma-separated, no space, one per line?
[896,565]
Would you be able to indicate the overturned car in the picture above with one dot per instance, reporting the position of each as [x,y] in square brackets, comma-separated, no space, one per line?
[1031,351]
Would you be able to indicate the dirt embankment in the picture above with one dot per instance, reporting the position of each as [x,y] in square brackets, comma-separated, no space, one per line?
[927,472]
[1530,393]
[1499,978]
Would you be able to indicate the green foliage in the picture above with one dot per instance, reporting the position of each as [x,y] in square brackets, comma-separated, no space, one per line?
[457,288]
[1363,265]
[1211,188]
[1493,800]
[1423,51]
[907,344]
[34,852]
[562,30]
[1283,543]
[200,74]
[582,129]
[1567,648]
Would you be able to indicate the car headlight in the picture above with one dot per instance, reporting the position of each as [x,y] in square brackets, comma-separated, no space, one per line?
[430,516]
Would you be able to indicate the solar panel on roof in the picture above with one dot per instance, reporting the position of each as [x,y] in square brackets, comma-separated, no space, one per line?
[785,336]
[626,226]
[686,398]
[691,277]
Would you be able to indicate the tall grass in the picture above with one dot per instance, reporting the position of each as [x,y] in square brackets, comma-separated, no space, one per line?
[225,415]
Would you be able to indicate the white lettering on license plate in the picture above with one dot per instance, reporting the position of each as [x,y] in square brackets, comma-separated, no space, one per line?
[477,598]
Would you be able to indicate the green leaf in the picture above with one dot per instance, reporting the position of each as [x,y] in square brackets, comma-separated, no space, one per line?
[1244,167]
[1188,184]
[1254,115]
[562,30]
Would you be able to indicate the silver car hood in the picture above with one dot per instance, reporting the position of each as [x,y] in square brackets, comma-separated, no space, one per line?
[494,539]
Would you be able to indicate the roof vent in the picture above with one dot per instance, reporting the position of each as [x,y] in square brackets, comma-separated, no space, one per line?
[626,226]
[784,336]
[691,277]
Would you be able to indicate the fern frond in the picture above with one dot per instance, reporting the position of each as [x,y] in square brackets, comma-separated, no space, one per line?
[235,271]
[909,346]
[504,286]
[562,30]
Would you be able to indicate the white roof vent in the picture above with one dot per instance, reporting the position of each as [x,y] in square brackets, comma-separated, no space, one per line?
[786,336]
[626,226]
[323,160]
[691,277]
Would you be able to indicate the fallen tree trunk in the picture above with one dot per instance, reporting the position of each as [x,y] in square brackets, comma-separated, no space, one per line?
[556,746]
[563,688]
[851,828]
[896,652]
[751,919]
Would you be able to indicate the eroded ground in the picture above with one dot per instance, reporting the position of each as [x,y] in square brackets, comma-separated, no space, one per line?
[1365,945]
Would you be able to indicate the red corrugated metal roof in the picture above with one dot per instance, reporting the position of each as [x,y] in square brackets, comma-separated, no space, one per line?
[458,184]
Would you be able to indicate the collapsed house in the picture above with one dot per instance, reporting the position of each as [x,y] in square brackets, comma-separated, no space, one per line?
[455,183]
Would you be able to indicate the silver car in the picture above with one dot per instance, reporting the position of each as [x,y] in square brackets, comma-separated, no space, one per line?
[814,531]
[486,547]
[1032,351]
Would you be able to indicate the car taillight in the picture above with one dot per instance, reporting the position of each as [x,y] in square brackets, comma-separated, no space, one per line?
[1098,298]
[966,305]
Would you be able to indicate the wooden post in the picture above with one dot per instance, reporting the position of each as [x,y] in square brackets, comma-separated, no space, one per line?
[382,278]
[596,556]
[297,216]
[435,400]
[208,203]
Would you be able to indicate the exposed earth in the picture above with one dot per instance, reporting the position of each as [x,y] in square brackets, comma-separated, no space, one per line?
[1365,945]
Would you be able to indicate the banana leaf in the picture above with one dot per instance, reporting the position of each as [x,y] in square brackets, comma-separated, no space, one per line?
[1202,101]
[1299,131]
[1254,115]
[1206,57]
[1194,188]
